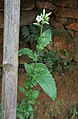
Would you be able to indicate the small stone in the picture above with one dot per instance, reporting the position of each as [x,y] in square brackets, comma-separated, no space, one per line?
[75,13]
[76,20]
[76,34]
[67,13]
[58,42]
[44,5]
[66,3]
[57,25]
[71,33]
[27,4]
[70,92]
[72,26]
[50,46]
[69,21]
[28,17]
[64,13]
[62,20]
[63,41]
[23,59]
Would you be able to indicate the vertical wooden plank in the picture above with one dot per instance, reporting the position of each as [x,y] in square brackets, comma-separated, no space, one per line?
[10,58]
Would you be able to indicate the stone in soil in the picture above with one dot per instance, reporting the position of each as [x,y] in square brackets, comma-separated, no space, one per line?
[67,13]
[62,20]
[63,41]
[44,5]
[28,17]
[27,4]
[66,3]
[72,26]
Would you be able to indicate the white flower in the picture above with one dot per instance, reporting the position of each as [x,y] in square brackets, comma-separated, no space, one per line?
[38,18]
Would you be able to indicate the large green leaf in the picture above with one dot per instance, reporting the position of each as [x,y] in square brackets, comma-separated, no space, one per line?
[44,39]
[22,89]
[28,68]
[35,94]
[45,80]
[26,51]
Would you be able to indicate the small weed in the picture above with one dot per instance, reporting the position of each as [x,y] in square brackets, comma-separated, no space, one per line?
[74,111]
[30,33]
[54,62]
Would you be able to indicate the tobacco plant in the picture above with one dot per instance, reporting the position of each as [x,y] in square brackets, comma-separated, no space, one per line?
[37,73]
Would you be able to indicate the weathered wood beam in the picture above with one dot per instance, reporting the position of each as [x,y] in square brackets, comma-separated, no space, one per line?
[10,58]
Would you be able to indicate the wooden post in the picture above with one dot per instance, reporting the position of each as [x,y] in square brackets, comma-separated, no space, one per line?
[10,58]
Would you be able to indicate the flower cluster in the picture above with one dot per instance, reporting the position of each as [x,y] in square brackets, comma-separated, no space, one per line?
[43,18]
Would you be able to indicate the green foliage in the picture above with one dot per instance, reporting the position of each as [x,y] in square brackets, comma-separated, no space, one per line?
[25,108]
[37,73]
[22,89]
[40,74]
[74,112]
[53,61]
[44,39]
[45,80]
[26,51]
[30,33]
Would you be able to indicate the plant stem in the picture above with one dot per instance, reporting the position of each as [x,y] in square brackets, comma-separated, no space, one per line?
[41,29]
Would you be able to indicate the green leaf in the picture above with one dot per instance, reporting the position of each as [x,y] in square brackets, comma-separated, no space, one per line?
[25,31]
[26,51]
[27,83]
[44,39]
[20,115]
[35,56]
[22,89]
[27,114]
[29,108]
[45,80]
[34,82]
[35,94]
[28,68]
